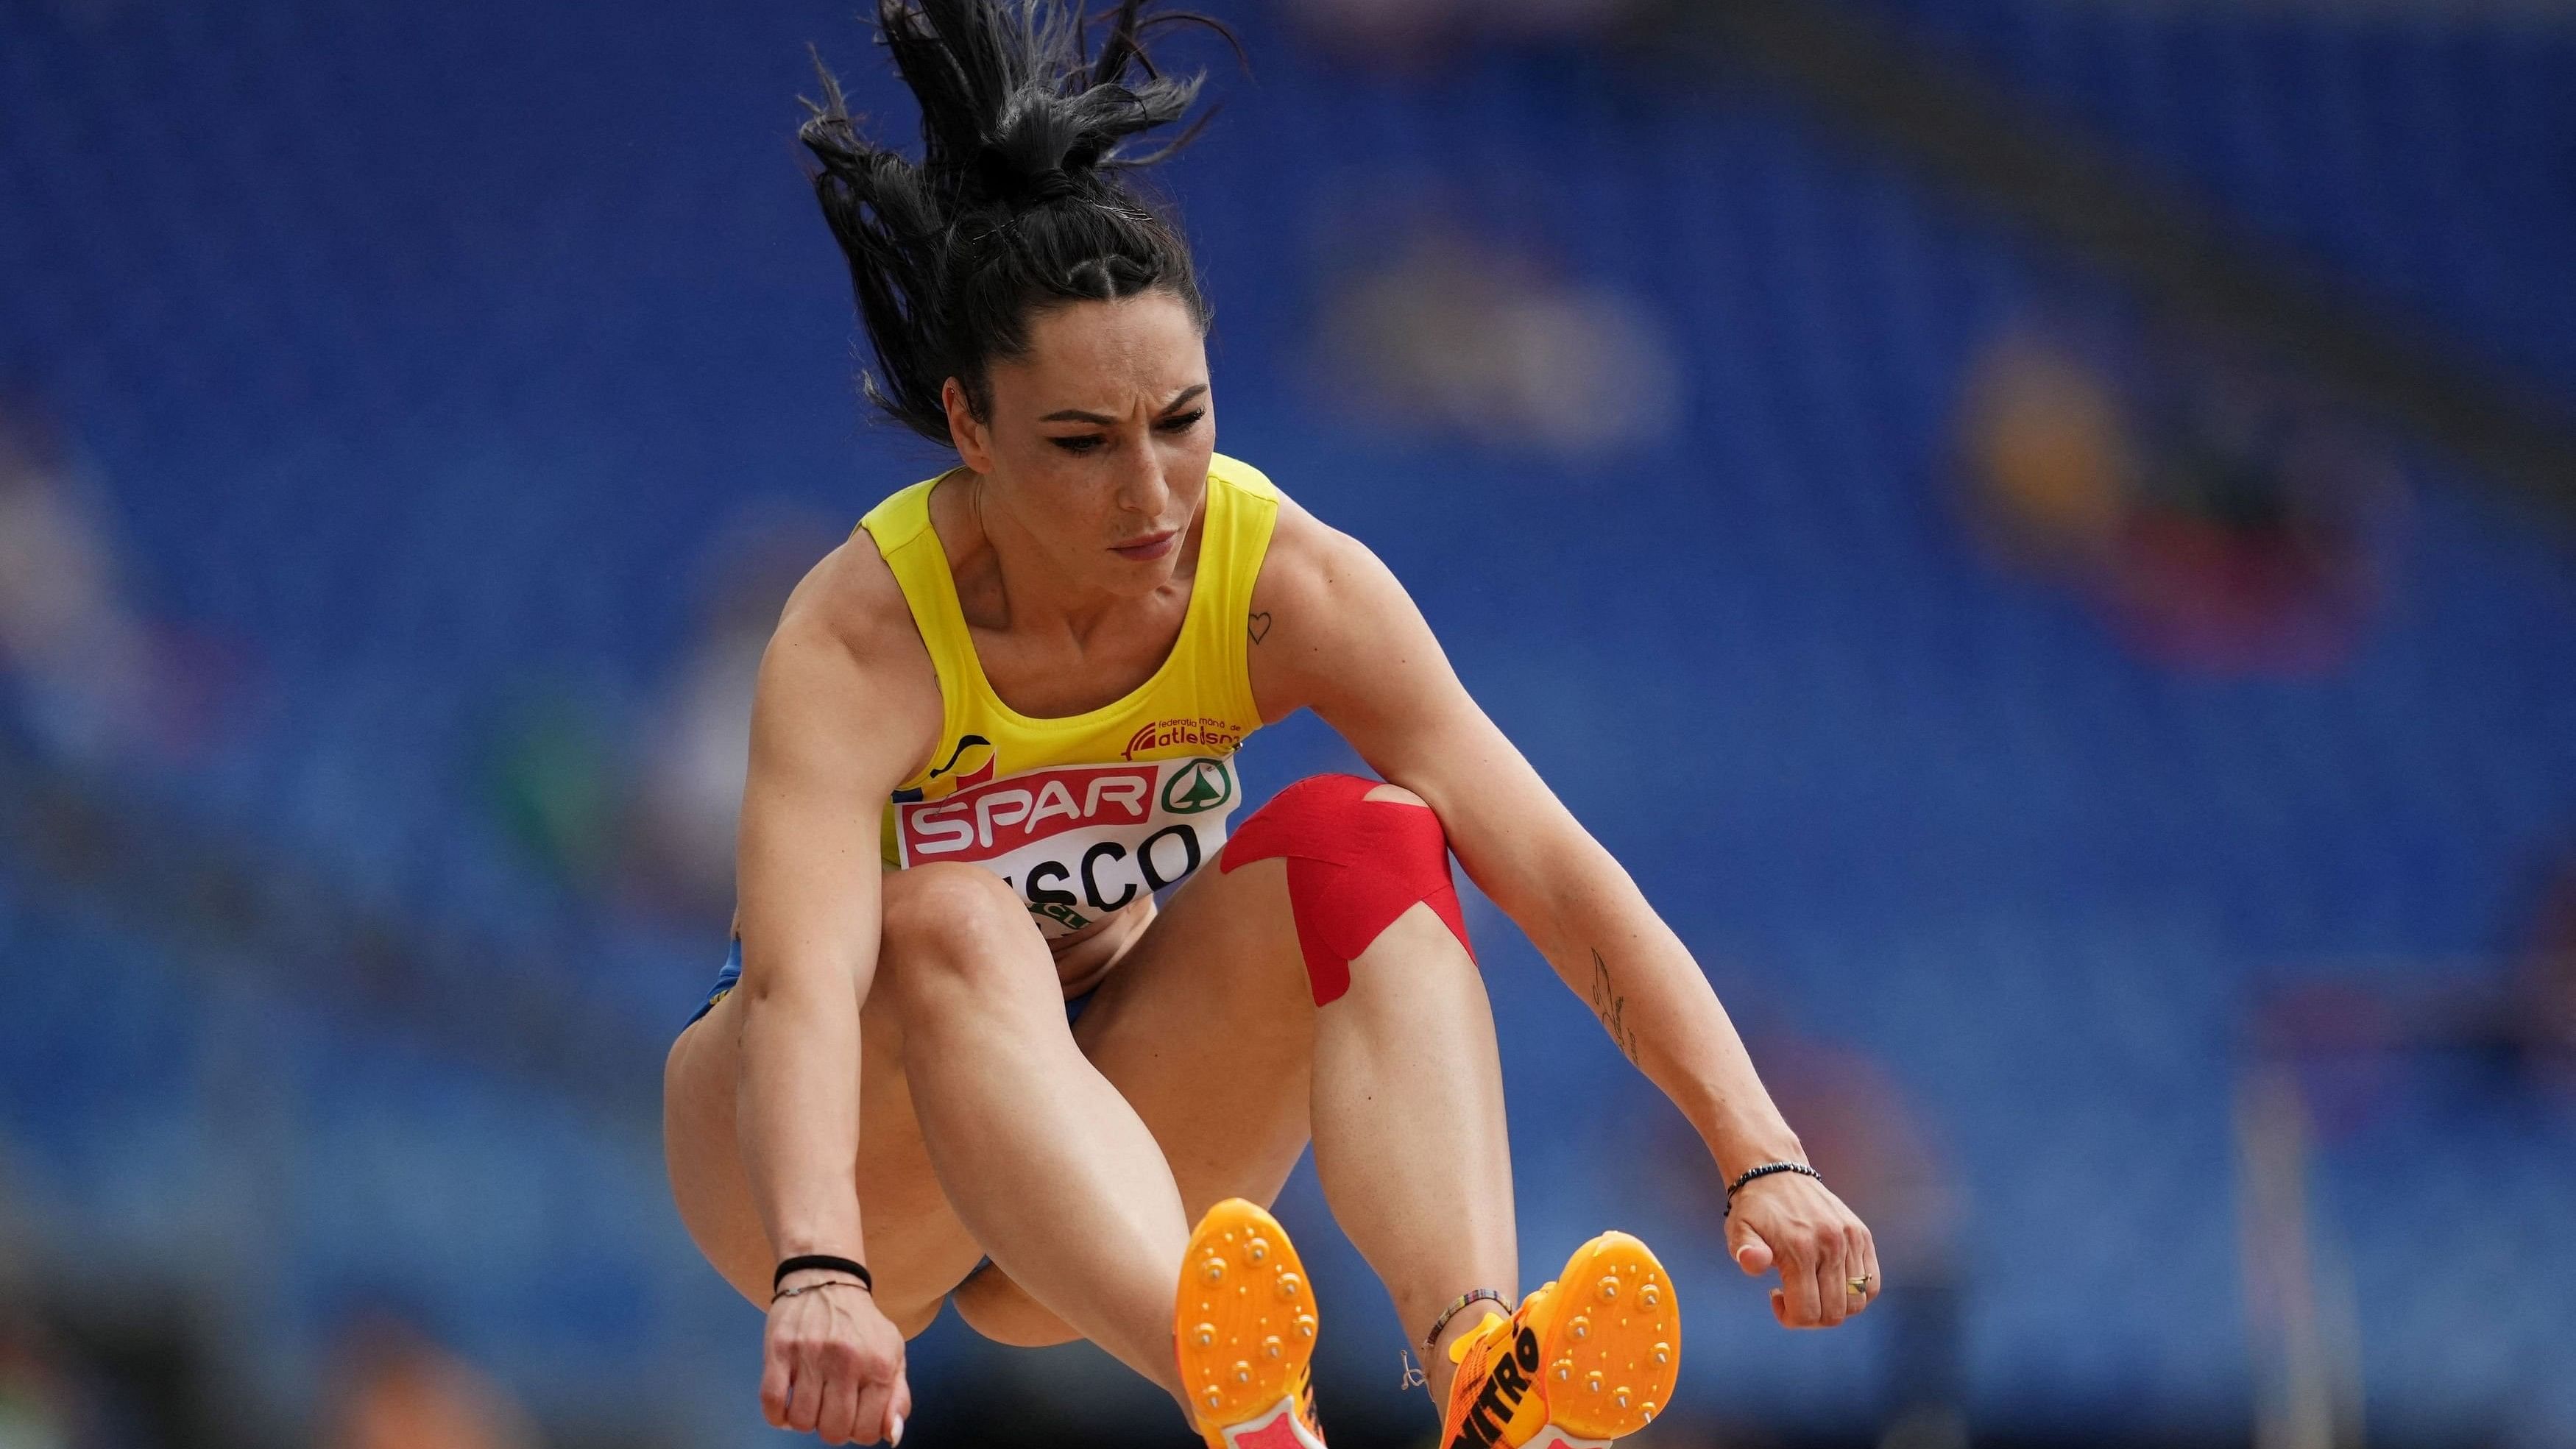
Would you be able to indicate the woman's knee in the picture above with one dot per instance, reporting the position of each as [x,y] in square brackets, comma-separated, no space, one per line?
[1396,795]
[1360,854]
[955,923]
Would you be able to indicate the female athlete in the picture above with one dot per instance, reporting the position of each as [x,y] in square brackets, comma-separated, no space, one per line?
[1045,659]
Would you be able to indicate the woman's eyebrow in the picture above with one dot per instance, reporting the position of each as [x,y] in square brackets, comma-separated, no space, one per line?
[1076,415]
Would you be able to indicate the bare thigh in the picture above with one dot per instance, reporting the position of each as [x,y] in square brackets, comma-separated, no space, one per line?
[1207,1029]
[917,1250]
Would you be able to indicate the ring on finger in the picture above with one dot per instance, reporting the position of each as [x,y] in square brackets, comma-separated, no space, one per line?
[1859,1286]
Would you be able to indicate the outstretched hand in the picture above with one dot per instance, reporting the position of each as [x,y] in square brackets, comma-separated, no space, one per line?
[832,1365]
[1795,1224]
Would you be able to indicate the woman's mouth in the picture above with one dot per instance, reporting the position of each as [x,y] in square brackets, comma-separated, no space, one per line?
[1145,550]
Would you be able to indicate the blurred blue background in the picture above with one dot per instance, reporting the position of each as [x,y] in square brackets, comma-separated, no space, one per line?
[2112,741]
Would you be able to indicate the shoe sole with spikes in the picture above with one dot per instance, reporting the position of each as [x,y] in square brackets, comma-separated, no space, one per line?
[1244,1323]
[1611,1352]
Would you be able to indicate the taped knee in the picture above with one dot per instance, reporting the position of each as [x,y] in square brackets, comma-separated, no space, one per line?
[1354,865]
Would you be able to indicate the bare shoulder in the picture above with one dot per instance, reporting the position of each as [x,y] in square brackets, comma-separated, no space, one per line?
[849,602]
[1310,563]
[847,642]
[1326,616]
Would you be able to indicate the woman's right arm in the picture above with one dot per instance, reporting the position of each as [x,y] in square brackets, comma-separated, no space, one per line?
[846,706]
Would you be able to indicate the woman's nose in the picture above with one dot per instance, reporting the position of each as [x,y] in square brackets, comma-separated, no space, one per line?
[1140,486]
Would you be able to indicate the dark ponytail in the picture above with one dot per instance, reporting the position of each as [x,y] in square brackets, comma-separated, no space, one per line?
[1016,203]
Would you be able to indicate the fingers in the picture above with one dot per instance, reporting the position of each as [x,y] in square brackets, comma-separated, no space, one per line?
[1749,1251]
[1833,1285]
[804,1397]
[883,1408]
[1815,1279]
[1798,1286]
[1860,1261]
[835,1371]
[844,1417]
[873,1404]
[774,1384]
[1819,1247]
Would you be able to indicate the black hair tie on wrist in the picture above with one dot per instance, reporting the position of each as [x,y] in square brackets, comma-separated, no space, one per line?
[1765,1170]
[824,1261]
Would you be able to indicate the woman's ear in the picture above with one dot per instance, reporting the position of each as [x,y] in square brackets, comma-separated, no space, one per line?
[972,439]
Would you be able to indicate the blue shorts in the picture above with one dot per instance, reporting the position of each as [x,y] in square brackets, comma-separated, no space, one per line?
[729,975]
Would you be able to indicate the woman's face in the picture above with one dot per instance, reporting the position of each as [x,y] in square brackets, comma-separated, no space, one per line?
[1098,440]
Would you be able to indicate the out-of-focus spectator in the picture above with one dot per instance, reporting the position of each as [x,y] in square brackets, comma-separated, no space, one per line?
[2522,1022]
[698,740]
[557,777]
[2050,452]
[1453,334]
[644,802]
[82,661]
[2220,519]
[92,679]
[397,1390]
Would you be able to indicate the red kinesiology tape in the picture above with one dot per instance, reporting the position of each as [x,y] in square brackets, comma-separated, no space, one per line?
[1354,865]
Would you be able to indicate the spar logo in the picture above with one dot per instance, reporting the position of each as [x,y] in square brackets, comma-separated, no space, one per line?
[1198,785]
[1079,841]
[1215,735]
[1000,816]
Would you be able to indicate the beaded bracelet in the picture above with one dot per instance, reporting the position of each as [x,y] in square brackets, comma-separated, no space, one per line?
[1765,1170]
[1473,1295]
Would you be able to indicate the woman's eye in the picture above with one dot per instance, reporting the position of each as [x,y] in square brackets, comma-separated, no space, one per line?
[1182,423]
[1077,446]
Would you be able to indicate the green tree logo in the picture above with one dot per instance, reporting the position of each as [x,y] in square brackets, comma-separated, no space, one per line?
[1198,785]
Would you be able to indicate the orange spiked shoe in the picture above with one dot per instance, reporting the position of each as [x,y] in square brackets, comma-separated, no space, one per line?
[1244,1327]
[1586,1360]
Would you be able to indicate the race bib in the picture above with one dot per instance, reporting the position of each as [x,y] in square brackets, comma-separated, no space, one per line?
[1079,841]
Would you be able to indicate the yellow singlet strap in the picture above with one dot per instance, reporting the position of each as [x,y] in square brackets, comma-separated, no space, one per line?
[1242,511]
[911,548]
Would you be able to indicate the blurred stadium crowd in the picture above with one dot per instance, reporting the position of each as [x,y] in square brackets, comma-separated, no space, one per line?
[2123,776]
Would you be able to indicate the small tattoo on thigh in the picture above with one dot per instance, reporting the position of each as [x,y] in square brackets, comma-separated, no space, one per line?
[1258,626]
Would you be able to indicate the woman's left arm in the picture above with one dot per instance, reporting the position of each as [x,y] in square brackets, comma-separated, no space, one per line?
[1337,633]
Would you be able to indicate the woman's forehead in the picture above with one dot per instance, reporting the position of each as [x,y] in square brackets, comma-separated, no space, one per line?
[1085,354]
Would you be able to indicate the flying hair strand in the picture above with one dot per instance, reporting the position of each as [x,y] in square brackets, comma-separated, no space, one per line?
[1015,203]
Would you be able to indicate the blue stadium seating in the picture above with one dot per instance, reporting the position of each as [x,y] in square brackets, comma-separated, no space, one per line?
[421,351]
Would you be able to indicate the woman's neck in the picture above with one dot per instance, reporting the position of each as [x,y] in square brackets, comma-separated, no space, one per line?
[1005,581]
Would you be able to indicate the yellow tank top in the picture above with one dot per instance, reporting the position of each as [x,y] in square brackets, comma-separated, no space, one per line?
[1083,813]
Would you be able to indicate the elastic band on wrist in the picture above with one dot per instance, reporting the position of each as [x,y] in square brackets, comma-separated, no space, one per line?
[826,1261]
[1765,1170]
